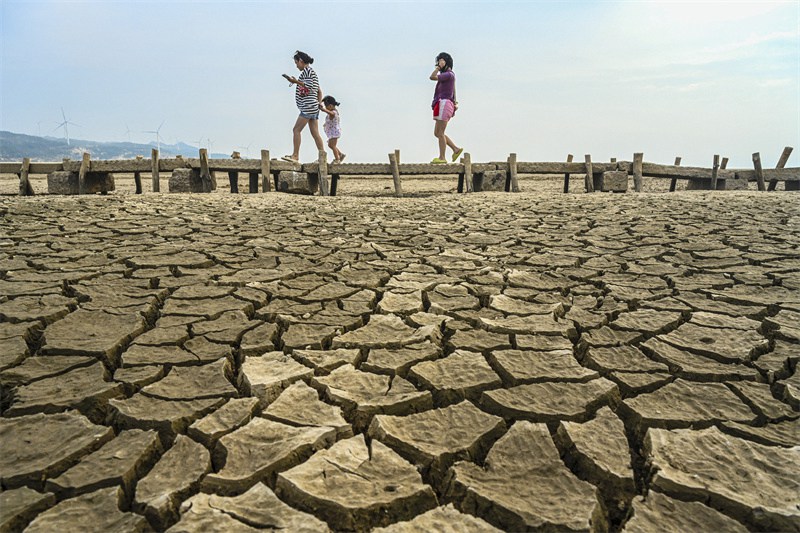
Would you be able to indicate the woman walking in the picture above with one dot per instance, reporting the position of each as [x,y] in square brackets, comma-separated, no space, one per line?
[308,97]
[444,106]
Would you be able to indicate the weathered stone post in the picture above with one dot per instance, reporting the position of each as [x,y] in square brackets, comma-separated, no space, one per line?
[759,171]
[714,172]
[393,162]
[323,173]
[266,174]
[787,151]
[566,175]
[638,159]
[25,188]
[588,179]
[674,181]
[155,171]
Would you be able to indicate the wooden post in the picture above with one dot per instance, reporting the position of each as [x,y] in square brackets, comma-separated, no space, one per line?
[566,175]
[82,173]
[724,164]
[467,172]
[714,172]
[233,179]
[674,181]
[323,173]
[397,156]
[266,174]
[25,188]
[759,171]
[155,171]
[398,188]
[781,163]
[588,179]
[205,175]
[511,183]
[253,185]
[638,157]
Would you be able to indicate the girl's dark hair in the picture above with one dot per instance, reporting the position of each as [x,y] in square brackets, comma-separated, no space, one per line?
[328,100]
[448,60]
[304,57]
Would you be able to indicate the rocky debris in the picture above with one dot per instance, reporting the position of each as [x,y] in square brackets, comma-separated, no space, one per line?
[724,345]
[324,361]
[19,506]
[299,405]
[168,417]
[356,486]
[433,440]
[778,434]
[61,440]
[119,462]
[386,331]
[266,376]
[397,361]
[599,450]
[255,510]
[194,383]
[657,513]
[258,450]
[95,333]
[517,367]
[99,508]
[233,415]
[758,488]
[461,375]
[683,404]
[445,519]
[551,401]
[174,477]
[364,394]
[259,340]
[525,486]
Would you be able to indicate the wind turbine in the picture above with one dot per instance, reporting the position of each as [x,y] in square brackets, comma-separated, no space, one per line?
[65,125]
[199,143]
[128,132]
[210,144]
[246,150]
[157,131]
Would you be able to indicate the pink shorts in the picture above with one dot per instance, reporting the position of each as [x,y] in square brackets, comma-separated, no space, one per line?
[443,110]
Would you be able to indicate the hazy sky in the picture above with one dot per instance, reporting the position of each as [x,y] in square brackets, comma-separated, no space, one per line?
[542,79]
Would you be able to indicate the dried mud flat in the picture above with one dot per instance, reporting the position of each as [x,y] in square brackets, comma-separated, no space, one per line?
[532,361]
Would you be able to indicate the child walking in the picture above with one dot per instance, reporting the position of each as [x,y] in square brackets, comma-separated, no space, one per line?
[332,129]
[444,105]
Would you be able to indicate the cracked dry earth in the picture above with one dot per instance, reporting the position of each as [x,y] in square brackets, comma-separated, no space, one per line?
[451,363]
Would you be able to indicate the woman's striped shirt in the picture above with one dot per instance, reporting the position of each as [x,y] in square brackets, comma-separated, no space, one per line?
[306,97]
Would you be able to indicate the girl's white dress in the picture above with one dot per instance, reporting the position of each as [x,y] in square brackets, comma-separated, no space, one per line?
[331,126]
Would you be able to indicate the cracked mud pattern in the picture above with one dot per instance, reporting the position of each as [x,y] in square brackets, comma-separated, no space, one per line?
[453,363]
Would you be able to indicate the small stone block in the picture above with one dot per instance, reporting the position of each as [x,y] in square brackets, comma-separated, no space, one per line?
[295,182]
[491,180]
[66,182]
[614,181]
[185,180]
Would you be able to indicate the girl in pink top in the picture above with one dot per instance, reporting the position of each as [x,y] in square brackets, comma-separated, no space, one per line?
[444,106]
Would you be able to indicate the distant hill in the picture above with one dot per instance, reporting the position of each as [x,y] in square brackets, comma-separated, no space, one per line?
[15,146]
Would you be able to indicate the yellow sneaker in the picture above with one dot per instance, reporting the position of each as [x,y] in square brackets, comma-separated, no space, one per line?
[457,154]
[437,161]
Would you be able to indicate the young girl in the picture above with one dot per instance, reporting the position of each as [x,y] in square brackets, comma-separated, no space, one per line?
[307,97]
[444,105]
[331,126]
